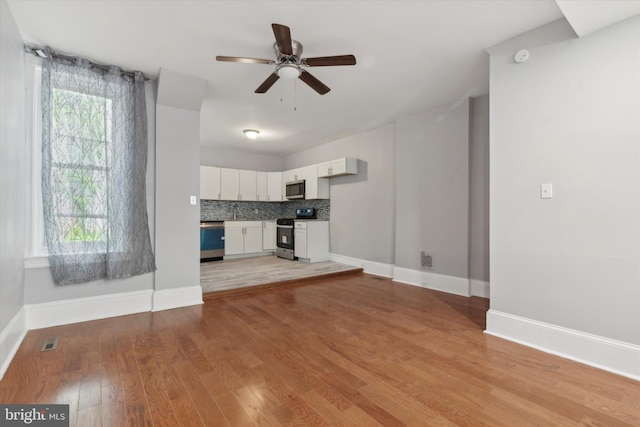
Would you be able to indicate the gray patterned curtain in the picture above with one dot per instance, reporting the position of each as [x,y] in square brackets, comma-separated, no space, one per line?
[94,162]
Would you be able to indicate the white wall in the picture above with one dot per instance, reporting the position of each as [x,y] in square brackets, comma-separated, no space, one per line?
[432,189]
[363,205]
[479,189]
[177,179]
[12,183]
[568,116]
[237,159]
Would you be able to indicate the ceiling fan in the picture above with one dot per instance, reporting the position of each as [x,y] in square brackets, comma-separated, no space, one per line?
[289,62]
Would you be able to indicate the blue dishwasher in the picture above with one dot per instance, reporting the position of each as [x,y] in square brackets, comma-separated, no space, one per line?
[211,240]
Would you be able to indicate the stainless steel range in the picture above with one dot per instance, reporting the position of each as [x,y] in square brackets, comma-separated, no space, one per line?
[285,243]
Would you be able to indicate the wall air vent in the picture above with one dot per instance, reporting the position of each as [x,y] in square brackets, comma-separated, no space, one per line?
[426,260]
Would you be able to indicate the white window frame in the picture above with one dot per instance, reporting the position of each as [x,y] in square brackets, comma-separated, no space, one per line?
[37,253]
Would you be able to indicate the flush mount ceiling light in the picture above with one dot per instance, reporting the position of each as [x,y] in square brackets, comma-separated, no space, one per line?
[251,133]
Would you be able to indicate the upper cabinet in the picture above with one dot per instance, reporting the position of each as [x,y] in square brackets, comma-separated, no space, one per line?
[229,184]
[247,189]
[338,167]
[274,187]
[209,183]
[235,184]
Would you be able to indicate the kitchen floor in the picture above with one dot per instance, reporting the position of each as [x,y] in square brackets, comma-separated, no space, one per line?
[243,272]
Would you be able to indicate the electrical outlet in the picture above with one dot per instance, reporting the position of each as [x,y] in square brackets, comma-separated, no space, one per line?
[426,260]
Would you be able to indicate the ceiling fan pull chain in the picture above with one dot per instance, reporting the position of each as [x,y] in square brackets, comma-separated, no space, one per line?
[295,95]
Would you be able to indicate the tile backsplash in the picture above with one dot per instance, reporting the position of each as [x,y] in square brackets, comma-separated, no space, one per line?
[217,210]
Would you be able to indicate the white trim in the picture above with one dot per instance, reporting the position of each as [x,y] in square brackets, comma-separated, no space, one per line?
[430,280]
[251,255]
[369,267]
[177,297]
[479,288]
[610,355]
[75,310]
[36,262]
[10,339]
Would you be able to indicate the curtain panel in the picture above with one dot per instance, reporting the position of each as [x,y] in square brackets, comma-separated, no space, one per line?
[94,163]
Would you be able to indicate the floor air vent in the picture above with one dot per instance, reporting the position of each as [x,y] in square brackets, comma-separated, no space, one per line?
[49,344]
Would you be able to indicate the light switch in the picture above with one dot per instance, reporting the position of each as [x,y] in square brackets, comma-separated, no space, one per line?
[193,200]
[546,191]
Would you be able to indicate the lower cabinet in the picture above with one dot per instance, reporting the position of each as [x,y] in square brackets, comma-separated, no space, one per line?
[311,240]
[242,237]
[268,236]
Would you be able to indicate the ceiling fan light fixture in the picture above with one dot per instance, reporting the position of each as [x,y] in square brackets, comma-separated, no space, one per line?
[251,133]
[288,71]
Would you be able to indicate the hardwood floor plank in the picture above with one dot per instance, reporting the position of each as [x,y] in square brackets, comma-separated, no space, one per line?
[352,350]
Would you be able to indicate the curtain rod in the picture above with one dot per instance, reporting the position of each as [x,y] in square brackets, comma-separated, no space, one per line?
[40,52]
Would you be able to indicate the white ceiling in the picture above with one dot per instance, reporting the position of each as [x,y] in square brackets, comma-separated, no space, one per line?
[411,55]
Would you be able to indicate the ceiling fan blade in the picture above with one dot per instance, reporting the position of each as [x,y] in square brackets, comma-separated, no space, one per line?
[283,38]
[323,61]
[245,60]
[266,85]
[314,83]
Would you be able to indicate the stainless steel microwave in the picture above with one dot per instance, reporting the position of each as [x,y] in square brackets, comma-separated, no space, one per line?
[295,190]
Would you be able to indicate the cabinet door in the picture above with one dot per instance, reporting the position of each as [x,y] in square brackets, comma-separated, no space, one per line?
[268,235]
[229,184]
[248,190]
[300,245]
[324,169]
[262,193]
[310,176]
[274,186]
[233,241]
[253,239]
[209,183]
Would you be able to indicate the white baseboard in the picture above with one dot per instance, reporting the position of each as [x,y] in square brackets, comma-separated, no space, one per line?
[610,355]
[369,267]
[10,339]
[176,297]
[479,288]
[63,312]
[430,280]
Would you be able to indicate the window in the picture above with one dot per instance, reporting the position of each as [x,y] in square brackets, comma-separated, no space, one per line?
[80,134]
[89,167]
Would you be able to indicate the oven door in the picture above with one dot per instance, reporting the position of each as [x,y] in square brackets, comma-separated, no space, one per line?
[284,236]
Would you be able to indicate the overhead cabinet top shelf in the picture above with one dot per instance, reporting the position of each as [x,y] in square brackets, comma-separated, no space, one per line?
[338,167]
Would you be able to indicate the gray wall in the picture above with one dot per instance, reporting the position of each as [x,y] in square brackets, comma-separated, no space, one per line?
[12,169]
[39,286]
[236,159]
[568,116]
[177,179]
[479,189]
[432,189]
[363,205]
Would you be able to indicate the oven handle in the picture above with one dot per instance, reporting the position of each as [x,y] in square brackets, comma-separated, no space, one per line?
[284,226]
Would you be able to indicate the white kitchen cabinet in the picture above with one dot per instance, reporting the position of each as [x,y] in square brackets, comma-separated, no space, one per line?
[209,183]
[229,184]
[338,167]
[268,235]
[262,186]
[247,185]
[242,237]
[274,187]
[311,240]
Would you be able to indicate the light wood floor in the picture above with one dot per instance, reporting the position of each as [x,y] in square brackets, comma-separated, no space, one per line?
[349,351]
[248,272]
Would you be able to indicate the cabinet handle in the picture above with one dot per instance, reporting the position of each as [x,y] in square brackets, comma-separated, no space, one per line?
[257,197]
[239,196]
[219,197]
